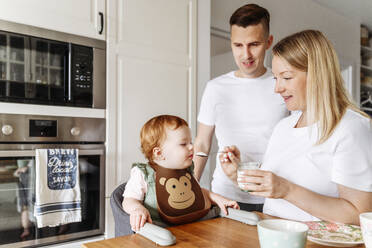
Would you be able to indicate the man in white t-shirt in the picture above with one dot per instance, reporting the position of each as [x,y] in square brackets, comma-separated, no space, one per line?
[241,107]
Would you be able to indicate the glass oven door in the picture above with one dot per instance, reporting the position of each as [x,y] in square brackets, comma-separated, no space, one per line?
[33,70]
[17,195]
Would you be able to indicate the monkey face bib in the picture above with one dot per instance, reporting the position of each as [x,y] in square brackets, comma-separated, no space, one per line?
[179,196]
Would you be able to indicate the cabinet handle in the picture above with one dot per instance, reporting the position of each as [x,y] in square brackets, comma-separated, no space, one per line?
[102,23]
[69,69]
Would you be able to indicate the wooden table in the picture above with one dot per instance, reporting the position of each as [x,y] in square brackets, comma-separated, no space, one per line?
[219,233]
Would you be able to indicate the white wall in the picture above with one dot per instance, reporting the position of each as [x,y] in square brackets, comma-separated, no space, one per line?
[289,16]
[222,63]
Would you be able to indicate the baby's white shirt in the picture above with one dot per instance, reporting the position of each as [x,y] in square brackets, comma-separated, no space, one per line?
[136,186]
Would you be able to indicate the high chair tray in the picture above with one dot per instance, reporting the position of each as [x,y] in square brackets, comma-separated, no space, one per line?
[157,234]
[245,217]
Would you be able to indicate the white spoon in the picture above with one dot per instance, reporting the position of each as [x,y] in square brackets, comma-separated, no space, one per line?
[202,154]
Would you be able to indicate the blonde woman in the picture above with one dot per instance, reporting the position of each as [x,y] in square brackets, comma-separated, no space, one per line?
[318,164]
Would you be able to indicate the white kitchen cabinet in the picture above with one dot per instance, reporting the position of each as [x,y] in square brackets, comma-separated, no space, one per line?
[151,70]
[82,17]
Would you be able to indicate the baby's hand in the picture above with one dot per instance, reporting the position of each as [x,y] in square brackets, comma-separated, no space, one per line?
[138,217]
[223,202]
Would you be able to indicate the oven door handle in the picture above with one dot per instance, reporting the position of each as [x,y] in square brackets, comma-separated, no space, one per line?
[31,153]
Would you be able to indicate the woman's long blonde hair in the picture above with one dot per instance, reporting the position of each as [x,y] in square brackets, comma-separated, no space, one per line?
[326,97]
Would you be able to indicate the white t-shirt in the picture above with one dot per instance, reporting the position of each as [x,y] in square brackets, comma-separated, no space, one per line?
[345,159]
[244,112]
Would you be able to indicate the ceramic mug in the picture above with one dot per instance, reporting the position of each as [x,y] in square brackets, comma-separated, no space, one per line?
[366,225]
[282,233]
[243,166]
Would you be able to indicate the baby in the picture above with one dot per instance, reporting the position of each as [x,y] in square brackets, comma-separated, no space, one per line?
[149,196]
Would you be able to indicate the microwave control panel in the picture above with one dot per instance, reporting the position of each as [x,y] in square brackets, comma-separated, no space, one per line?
[81,75]
[82,67]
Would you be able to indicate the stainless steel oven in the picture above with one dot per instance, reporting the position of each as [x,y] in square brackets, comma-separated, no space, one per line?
[41,66]
[20,136]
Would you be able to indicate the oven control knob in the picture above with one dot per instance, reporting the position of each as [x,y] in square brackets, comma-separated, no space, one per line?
[75,131]
[7,129]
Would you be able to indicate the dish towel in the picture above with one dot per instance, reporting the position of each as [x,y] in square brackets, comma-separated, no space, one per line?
[57,186]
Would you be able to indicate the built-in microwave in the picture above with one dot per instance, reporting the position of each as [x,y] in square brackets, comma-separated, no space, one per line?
[40,66]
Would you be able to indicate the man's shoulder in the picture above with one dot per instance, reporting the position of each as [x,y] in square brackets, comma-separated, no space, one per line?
[222,78]
[267,76]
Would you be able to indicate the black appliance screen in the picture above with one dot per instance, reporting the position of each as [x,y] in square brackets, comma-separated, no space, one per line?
[43,128]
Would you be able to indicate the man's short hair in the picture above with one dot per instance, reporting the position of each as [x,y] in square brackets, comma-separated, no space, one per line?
[251,14]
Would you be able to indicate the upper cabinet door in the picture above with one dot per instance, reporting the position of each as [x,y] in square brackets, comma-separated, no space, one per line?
[82,17]
[151,61]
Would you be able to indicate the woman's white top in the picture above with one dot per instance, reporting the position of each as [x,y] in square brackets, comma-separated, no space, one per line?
[344,159]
